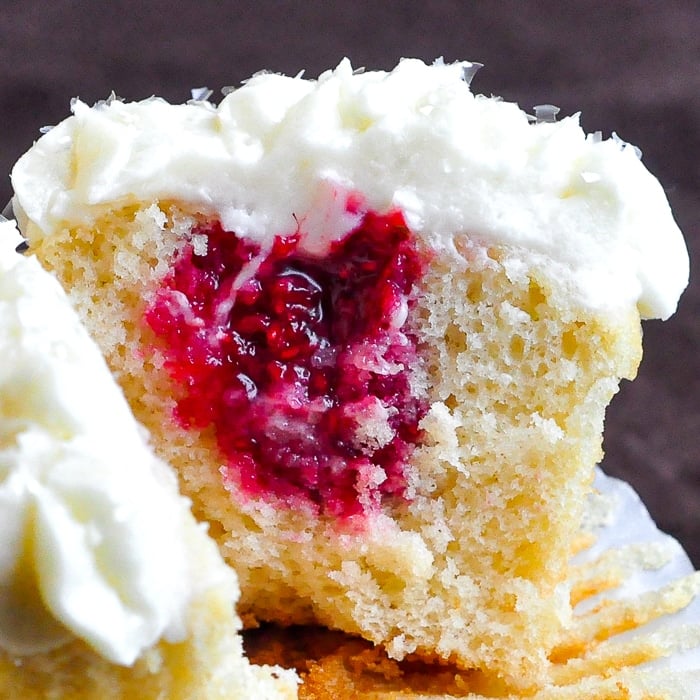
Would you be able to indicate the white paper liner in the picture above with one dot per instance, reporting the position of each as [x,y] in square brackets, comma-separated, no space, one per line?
[652,560]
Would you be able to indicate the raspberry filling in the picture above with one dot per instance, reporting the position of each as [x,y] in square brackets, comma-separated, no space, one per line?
[302,366]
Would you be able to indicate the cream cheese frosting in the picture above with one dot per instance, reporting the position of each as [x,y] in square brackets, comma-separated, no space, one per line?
[93,532]
[278,150]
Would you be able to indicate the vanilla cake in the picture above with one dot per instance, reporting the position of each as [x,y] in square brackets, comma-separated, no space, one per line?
[373,320]
[635,633]
[108,586]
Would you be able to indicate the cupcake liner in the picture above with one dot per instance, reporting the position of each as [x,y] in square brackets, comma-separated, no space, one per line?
[650,579]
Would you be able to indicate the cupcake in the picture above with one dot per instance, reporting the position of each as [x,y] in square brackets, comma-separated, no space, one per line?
[373,321]
[110,589]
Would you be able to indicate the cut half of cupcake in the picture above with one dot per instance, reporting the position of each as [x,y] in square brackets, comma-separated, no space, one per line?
[108,586]
[374,321]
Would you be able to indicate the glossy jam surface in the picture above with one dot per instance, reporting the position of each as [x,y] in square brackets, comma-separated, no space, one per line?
[303,366]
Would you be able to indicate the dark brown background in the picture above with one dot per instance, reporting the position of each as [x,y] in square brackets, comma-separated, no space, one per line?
[632,67]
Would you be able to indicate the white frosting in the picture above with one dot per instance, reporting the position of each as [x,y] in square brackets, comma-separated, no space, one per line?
[279,148]
[92,528]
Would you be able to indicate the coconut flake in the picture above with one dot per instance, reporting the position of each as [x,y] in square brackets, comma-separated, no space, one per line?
[469,70]
[200,94]
[546,113]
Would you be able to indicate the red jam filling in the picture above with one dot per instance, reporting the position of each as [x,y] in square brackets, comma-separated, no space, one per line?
[302,366]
